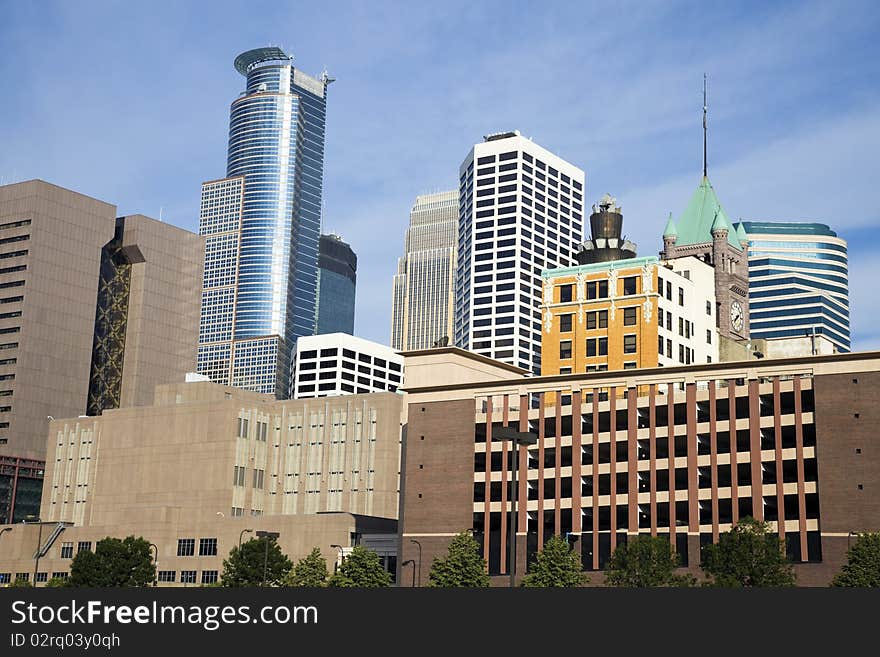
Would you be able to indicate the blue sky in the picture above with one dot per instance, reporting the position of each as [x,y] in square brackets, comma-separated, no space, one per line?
[128,102]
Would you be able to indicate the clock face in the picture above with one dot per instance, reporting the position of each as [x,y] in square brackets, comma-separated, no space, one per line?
[736,316]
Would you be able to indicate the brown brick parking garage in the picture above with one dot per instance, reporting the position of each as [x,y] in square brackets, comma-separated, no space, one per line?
[802,434]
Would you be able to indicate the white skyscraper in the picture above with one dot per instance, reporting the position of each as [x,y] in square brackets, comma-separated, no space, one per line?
[520,212]
[422,303]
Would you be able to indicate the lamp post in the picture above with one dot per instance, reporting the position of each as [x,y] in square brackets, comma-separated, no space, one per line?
[155,564]
[405,564]
[339,560]
[519,439]
[419,545]
[240,534]
[30,520]
[848,537]
[267,536]
[5,529]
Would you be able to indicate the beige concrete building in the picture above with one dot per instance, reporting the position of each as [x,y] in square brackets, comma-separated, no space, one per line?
[95,310]
[206,461]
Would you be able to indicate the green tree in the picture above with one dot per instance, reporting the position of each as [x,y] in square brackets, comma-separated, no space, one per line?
[309,572]
[645,561]
[20,583]
[246,566]
[56,583]
[750,554]
[463,567]
[362,568]
[862,567]
[114,563]
[556,565]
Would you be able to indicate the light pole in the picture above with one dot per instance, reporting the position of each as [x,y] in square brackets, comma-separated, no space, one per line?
[30,520]
[267,536]
[406,563]
[519,439]
[341,557]
[848,537]
[419,545]
[155,565]
[240,534]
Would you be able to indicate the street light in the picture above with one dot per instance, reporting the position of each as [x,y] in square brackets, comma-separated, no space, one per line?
[267,536]
[30,520]
[848,536]
[341,556]
[407,562]
[240,534]
[519,439]
[155,564]
[412,540]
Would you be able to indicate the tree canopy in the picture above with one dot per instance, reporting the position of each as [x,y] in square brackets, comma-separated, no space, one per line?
[645,561]
[750,554]
[862,567]
[114,563]
[245,567]
[556,565]
[310,571]
[463,566]
[361,568]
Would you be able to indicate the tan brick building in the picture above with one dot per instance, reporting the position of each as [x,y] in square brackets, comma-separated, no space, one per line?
[206,461]
[95,310]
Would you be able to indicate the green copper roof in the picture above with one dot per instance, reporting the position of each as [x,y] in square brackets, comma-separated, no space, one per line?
[670,230]
[600,266]
[721,223]
[741,232]
[704,210]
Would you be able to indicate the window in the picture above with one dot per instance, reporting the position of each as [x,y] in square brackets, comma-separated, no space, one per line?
[629,285]
[669,290]
[258,478]
[167,575]
[187,577]
[186,547]
[238,473]
[681,326]
[565,349]
[565,323]
[708,336]
[603,319]
[660,345]
[680,353]
[59,575]
[629,316]
[668,321]
[67,550]
[630,365]
[84,546]
[680,296]
[668,348]
[660,317]
[603,289]
[603,346]
[591,347]
[242,428]
[565,293]
[708,307]
[629,344]
[209,577]
[565,370]
[591,321]
[207,547]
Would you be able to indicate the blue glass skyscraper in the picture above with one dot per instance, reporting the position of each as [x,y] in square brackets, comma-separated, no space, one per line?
[337,280]
[262,223]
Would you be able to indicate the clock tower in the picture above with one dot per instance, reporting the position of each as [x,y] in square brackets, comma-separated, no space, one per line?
[703,230]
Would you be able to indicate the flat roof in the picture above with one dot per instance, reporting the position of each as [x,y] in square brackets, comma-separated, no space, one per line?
[465,353]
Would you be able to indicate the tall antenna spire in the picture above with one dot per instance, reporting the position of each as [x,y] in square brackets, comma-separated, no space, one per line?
[705,111]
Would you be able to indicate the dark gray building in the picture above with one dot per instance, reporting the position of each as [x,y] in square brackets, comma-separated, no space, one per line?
[337,279]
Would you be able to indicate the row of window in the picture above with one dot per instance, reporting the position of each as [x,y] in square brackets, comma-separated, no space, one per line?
[207,547]
[188,576]
[42,578]
[599,346]
[348,353]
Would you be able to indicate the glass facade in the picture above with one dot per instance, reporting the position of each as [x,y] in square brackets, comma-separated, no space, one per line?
[111,320]
[798,282]
[422,310]
[262,224]
[337,280]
